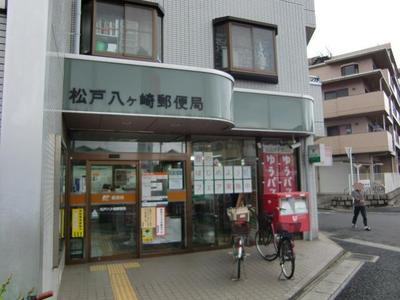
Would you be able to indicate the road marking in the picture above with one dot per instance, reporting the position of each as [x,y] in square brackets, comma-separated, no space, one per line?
[369,244]
[121,286]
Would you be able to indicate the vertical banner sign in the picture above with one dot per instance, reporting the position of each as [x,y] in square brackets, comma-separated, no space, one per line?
[77,223]
[148,217]
[287,173]
[160,225]
[271,173]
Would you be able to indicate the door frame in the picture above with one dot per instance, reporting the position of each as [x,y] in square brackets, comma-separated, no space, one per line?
[128,158]
[89,164]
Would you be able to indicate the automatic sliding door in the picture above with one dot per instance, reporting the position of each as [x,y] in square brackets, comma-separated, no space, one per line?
[113,213]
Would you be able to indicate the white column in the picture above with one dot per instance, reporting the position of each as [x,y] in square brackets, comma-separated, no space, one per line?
[308,180]
[21,145]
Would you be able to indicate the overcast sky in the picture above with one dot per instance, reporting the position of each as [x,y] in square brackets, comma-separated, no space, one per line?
[349,25]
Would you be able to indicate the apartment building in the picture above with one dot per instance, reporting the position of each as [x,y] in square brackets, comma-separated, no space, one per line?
[128,127]
[361,108]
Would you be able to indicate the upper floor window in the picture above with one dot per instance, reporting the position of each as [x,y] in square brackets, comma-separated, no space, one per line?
[349,69]
[339,130]
[336,94]
[245,49]
[129,29]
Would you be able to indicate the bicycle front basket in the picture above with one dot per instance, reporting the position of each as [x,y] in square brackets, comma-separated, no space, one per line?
[238,228]
[289,227]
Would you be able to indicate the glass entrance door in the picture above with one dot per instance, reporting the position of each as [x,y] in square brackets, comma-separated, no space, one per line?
[113,210]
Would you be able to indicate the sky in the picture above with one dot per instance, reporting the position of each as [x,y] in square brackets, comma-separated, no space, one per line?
[350,25]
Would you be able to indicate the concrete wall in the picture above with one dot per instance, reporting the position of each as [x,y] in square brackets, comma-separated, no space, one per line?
[333,179]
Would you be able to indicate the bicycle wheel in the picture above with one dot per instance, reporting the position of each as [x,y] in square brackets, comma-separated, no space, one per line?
[265,244]
[238,254]
[287,258]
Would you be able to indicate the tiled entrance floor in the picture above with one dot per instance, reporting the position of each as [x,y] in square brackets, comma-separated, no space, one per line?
[201,275]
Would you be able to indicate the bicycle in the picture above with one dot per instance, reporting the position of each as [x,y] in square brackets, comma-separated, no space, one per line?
[264,236]
[41,296]
[240,229]
[272,243]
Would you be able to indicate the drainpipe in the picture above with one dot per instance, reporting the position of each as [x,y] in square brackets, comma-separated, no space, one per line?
[77,32]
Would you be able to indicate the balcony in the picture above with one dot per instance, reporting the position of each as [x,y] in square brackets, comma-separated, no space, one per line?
[361,143]
[357,105]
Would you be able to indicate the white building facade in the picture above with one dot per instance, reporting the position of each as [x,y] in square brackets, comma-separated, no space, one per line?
[128,127]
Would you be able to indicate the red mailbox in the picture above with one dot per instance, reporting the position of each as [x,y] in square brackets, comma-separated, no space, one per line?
[288,208]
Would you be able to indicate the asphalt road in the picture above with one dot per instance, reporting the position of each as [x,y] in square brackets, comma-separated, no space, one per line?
[379,280]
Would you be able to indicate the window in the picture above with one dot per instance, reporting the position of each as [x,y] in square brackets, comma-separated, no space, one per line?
[349,69]
[245,49]
[336,94]
[123,29]
[339,130]
[333,130]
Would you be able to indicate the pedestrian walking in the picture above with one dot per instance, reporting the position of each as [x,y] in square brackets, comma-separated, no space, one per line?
[359,205]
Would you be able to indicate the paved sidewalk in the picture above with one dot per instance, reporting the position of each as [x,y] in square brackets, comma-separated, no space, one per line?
[201,275]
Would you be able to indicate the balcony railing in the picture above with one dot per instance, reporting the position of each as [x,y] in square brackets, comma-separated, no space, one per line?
[361,143]
[357,104]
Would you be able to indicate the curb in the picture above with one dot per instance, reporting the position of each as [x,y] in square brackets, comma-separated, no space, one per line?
[314,278]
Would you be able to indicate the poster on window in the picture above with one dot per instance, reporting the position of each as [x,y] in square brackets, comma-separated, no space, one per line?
[154,189]
[208,173]
[147,234]
[247,186]
[198,158]
[228,186]
[208,187]
[175,179]
[219,187]
[208,158]
[198,173]
[237,172]
[160,224]
[148,217]
[246,172]
[238,186]
[198,187]
[218,173]
[228,172]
